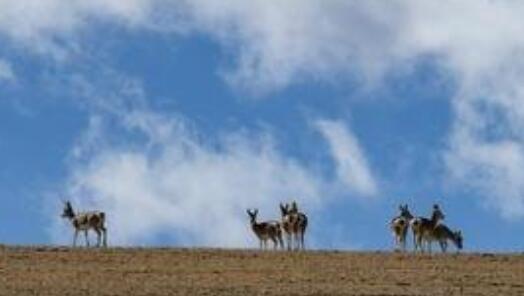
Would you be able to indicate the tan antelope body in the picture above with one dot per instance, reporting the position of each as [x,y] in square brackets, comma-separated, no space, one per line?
[85,221]
[400,225]
[267,230]
[442,234]
[424,227]
[294,224]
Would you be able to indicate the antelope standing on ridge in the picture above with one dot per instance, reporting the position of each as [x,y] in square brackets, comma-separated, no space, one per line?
[294,224]
[441,233]
[400,225]
[424,227]
[268,230]
[84,221]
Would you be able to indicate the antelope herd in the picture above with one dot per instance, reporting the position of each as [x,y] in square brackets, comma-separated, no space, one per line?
[293,224]
[425,230]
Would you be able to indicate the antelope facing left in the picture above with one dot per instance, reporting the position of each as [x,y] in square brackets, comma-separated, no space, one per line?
[84,221]
[268,230]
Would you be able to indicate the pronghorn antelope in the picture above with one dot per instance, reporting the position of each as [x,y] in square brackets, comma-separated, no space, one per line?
[268,230]
[294,224]
[423,227]
[84,221]
[442,234]
[400,225]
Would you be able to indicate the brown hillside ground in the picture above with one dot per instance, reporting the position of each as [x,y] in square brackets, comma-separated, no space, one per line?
[164,271]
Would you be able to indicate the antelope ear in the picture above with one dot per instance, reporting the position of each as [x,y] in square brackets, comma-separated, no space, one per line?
[248,212]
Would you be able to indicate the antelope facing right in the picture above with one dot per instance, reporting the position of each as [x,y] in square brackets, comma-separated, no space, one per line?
[424,227]
[400,225]
[84,221]
[268,230]
[442,234]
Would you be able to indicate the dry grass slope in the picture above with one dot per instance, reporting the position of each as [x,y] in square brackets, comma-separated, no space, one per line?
[62,271]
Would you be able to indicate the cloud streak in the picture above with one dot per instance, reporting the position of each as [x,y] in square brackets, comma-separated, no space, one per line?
[351,164]
[178,185]
[6,71]
[477,43]
[160,180]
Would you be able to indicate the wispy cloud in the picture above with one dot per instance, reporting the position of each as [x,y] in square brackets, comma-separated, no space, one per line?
[173,183]
[160,179]
[352,166]
[494,168]
[6,71]
[476,42]
[44,20]
[479,43]
[278,43]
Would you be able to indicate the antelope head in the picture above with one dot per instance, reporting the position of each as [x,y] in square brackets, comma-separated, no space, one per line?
[252,215]
[437,213]
[68,210]
[404,212]
[284,209]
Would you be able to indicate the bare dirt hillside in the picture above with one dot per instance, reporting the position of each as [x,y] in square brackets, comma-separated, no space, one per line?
[63,271]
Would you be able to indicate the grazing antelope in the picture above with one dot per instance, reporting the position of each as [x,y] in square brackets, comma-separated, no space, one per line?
[294,224]
[442,234]
[266,230]
[423,227]
[400,225]
[84,221]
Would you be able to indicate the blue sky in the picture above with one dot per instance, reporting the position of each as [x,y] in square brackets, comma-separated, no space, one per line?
[172,116]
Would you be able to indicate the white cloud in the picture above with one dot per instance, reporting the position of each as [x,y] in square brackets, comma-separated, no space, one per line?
[352,166]
[57,27]
[174,183]
[37,20]
[280,42]
[6,71]
[495,169]
[156,176]
[477,42]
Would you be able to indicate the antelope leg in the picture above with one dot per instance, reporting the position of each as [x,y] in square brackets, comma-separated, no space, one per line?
[87,238]
[74,237]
